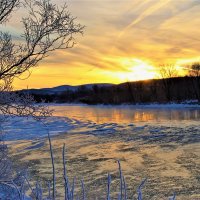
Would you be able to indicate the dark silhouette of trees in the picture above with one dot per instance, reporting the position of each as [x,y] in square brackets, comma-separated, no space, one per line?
[167,72]
[148,91]
[195,73]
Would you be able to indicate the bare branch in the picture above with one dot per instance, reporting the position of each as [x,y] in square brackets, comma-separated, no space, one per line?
[46,29]
[6,8]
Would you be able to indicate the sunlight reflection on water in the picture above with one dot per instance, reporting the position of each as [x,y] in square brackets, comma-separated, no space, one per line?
[127,114]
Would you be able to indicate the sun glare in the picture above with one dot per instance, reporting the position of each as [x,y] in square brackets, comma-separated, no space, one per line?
[137,70]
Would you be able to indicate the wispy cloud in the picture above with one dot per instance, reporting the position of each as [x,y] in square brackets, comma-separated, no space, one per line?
[153,31]
[147,12]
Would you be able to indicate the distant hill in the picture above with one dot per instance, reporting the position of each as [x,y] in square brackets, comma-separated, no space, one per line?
[63,88]
[176,89]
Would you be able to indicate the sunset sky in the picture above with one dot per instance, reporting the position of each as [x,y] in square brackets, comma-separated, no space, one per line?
[123,40]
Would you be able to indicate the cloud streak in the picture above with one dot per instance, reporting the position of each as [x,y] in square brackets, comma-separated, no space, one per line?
[150,10]
[152,31]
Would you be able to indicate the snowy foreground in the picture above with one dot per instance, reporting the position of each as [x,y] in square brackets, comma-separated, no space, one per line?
[160,144]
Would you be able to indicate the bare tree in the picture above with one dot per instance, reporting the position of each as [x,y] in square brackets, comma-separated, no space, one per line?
[167,72]
[46,28]
[194,72]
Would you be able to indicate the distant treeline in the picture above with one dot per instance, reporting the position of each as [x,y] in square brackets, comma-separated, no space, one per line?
[177,89]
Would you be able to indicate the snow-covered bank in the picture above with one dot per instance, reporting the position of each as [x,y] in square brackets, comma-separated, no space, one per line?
[28,129]
[19,128]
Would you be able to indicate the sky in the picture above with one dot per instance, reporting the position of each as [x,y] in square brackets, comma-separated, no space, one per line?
[124,40]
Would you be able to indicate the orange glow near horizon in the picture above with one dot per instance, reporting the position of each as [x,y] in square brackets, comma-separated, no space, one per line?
[132,69]
[123,41]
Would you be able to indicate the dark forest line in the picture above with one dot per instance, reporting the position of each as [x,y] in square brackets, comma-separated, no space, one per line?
[167,90]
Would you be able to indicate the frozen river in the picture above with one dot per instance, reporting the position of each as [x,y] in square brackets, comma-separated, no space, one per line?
[131,114]
[161,143]
[94,119]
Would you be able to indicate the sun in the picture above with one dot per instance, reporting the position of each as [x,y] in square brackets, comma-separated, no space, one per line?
[137,70]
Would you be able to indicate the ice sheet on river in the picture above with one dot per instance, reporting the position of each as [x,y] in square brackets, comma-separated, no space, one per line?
[19,128]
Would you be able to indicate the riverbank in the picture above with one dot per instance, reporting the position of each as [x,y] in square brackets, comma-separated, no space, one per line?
[168,157]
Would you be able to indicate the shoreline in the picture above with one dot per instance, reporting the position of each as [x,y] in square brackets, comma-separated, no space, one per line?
[138,105]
